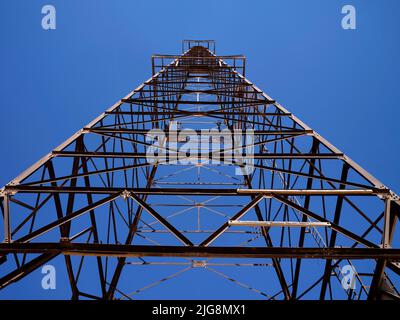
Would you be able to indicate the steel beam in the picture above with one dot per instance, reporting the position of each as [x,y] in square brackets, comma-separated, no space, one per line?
[111,250]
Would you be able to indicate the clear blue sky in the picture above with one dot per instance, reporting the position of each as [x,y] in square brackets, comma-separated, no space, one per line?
[342,83]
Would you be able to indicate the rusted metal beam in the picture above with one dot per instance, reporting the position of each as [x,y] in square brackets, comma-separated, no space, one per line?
[113,250]
[197,191]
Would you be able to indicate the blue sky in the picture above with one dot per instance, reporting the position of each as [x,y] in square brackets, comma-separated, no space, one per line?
[342,83]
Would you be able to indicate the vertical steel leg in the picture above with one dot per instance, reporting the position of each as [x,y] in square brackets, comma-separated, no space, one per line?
[7,222]
[386,225]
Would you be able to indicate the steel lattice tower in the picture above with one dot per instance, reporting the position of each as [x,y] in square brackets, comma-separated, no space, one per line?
[290,227]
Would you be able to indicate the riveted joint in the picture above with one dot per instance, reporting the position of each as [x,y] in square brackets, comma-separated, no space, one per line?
[126,194]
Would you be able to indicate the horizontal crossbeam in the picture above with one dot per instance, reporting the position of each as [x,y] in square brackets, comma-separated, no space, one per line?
[278,224]
[113,250]
[196,191]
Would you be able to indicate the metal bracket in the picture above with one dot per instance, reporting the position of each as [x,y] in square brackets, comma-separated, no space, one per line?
[199,263]
[125,194]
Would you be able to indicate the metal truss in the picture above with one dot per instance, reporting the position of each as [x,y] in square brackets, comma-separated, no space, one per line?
[294,223]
